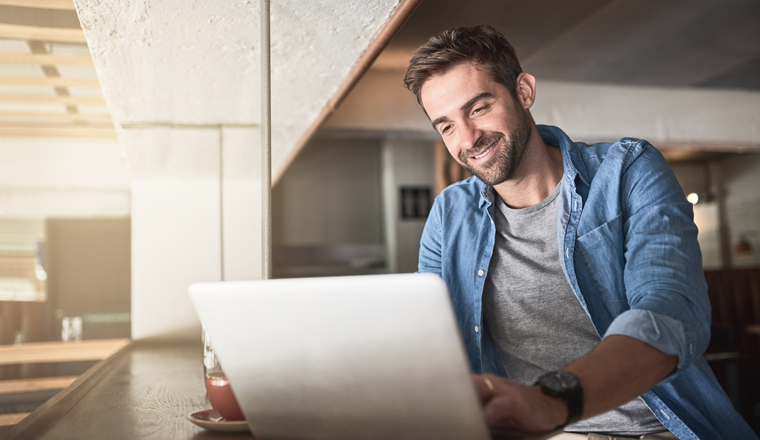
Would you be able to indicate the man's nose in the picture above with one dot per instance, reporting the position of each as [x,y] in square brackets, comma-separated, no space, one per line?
[469,135]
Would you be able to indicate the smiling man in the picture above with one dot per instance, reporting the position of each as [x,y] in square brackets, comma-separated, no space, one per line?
[574,269]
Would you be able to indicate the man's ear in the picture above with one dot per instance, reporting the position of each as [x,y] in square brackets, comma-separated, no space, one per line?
[526,90]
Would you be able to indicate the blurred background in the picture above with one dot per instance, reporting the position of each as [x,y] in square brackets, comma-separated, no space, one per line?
[129,152]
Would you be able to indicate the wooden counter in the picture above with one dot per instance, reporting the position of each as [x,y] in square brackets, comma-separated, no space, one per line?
[144,391]
[58,351]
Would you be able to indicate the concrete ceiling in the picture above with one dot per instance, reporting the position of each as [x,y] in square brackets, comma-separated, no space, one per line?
[196,63]
[676,43]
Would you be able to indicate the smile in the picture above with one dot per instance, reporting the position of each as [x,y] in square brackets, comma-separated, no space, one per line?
[487,151]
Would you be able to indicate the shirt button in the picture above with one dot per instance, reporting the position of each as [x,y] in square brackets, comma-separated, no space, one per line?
[480,272]
[476,329]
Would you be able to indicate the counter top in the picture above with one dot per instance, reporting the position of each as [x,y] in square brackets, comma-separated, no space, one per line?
[145,391]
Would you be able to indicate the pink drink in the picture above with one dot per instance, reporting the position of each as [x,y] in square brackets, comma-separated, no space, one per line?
[221,397]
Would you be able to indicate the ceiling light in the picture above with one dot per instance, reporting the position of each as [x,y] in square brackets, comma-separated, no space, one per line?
[693,198]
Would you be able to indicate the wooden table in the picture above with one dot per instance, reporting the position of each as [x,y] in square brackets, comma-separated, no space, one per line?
[144,391]
[59,351]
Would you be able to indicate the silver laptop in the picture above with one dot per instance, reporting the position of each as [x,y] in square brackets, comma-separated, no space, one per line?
[365,357]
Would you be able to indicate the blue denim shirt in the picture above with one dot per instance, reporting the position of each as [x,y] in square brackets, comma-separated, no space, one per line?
[628,247]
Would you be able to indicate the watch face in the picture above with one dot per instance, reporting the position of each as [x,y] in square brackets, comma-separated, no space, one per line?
[560,380]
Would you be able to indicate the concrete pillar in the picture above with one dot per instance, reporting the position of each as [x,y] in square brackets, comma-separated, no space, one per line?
[178,209]
[242,203]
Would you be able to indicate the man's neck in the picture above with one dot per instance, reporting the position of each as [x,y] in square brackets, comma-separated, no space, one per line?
[539,173]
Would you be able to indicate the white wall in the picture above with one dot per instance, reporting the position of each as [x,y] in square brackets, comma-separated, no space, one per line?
[405,163]
[176,220]
[21,236]
[712,118]
[241,203]
[41,178]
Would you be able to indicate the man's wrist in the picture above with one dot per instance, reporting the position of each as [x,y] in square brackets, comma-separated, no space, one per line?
[566,387]
[557,408]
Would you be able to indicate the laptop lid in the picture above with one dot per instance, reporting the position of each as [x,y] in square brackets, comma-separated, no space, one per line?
[365,357]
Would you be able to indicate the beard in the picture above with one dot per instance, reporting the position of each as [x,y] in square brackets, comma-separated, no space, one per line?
[507,157]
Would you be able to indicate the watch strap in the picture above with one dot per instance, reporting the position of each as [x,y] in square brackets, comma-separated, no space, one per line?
[573,396]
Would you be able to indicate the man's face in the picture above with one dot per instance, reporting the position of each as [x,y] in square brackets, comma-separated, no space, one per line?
[484,128]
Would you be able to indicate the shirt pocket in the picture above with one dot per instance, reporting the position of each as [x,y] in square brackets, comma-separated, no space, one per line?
[601,255]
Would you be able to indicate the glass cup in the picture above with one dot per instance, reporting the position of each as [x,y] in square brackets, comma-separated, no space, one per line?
[218,387]
[71,328]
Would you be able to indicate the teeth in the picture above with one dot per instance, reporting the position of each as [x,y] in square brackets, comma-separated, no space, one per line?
[483,153]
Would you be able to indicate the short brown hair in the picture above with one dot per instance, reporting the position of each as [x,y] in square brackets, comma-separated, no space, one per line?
[481,44]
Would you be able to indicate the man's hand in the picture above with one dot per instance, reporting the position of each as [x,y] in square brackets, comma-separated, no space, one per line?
[618,370]
[510,406]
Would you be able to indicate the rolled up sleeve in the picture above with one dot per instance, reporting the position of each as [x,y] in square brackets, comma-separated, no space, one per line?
[664,279]
[662,332]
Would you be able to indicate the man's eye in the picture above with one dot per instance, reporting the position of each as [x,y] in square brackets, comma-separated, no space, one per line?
[445,129]
[478,110]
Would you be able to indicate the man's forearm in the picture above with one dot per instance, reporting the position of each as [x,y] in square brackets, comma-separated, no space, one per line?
[619,369]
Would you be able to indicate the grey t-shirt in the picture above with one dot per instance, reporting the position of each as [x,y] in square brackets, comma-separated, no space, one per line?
[533,316]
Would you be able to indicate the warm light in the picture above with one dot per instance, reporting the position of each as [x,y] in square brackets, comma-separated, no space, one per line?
[39,271]
[693,198]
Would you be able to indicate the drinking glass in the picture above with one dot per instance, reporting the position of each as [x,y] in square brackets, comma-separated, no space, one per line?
[218,387]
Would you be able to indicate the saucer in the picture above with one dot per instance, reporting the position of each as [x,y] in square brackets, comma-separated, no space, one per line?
[213,421]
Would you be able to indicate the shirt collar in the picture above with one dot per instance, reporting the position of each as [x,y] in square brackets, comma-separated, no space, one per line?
[486,193]
[552,135]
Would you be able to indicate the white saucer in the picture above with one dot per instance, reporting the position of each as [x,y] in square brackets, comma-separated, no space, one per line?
[213,421]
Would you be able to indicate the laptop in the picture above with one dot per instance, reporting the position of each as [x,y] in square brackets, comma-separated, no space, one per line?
[360,357]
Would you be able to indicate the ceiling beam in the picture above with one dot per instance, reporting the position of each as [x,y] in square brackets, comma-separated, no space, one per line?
[49,81]
[56,131]
[84,117]
[37,33]
[66,5]
[49,60]
[31,99]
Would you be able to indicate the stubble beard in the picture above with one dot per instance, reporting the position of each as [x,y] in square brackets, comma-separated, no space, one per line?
[507,157]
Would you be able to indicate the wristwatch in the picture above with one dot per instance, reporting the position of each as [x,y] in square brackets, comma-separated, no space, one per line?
[567,387]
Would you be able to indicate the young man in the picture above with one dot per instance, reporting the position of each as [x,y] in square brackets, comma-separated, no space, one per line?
[574,269]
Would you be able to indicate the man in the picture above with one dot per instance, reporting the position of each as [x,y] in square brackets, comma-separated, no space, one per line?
[574,269]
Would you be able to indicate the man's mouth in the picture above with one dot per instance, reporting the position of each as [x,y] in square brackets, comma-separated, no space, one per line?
[487,150]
